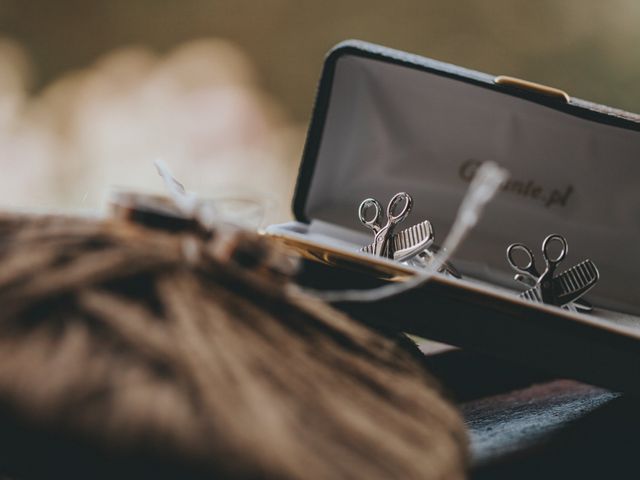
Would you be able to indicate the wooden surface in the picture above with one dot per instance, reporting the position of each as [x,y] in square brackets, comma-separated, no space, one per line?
[523,424]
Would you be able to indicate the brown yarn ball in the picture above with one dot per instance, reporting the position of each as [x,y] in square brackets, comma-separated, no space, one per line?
[127,352]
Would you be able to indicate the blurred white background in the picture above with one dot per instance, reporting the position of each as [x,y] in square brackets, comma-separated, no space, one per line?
[91,93]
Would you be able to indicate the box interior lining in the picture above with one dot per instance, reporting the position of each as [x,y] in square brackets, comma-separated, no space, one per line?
[391,128]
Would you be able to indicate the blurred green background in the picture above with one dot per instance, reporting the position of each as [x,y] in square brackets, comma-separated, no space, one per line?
[586,47]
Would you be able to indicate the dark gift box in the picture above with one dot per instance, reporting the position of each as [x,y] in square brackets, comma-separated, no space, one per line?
[387,121]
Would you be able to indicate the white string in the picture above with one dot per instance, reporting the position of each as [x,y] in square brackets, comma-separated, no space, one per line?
[482,189]
[211,211]
[186,202]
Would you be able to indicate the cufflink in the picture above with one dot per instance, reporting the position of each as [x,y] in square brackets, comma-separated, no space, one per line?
[564,290]
[412,246]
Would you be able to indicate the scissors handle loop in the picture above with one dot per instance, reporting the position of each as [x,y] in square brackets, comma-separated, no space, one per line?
[529,268]
[563,248]
[398,199]
[374,222]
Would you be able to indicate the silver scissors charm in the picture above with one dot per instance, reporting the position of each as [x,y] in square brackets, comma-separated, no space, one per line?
[383,233]
[412,246]
[563,290]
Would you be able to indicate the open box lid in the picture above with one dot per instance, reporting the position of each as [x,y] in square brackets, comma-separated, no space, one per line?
[386,121]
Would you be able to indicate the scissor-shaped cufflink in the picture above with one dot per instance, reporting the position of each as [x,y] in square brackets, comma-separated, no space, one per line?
[564,290]
[383,233]
[412,245]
